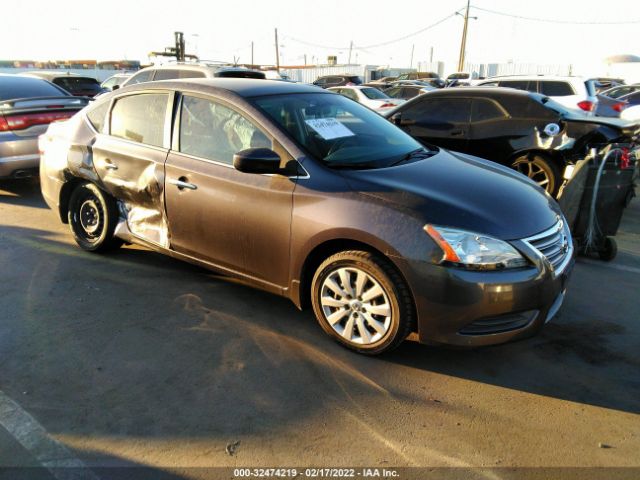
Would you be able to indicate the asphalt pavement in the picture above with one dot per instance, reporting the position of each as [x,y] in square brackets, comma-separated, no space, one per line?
[133,359]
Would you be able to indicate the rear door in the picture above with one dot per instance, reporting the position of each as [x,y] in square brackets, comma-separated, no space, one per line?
[492,131]
[129,159]
[441,121]
[238,221]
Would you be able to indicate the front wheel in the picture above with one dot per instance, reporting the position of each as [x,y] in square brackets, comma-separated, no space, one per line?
[541,170]
[361,301]
[93,216]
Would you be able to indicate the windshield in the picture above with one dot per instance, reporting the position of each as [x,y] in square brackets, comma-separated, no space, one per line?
[339,131]
[373,94]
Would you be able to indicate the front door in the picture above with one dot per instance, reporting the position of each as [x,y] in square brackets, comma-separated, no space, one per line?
[236,220]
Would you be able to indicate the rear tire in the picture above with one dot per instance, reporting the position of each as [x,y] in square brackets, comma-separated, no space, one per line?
[93,216]
[362,302]
[541,170]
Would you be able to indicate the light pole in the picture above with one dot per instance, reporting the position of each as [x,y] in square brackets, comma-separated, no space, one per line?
[463,44]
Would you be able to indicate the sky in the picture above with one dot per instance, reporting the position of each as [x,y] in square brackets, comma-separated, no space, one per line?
[224,30]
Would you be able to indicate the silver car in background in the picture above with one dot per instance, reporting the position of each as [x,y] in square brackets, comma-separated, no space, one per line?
[27,107]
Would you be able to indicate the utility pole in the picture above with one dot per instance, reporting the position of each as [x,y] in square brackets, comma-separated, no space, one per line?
[350,48]
[411,62]
[305,59]
[252,54]
[463,45]
[431,56]
[277,54]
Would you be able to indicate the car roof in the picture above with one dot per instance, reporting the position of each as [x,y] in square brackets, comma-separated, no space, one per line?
[566,78]
[482,92]
[54,75]
[352,87]
[244,87]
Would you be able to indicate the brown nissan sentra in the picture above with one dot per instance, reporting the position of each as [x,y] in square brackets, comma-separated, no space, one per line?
[309,195]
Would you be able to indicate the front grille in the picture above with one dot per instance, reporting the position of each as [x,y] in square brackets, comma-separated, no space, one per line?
[501,324]
[554,244]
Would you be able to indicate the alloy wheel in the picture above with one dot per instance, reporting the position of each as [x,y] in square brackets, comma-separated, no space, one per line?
[355,305]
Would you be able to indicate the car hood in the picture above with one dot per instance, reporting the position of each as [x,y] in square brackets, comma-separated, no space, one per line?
[462,191]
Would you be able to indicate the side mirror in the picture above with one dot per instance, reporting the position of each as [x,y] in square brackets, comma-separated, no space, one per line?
[257,160]
[397,119]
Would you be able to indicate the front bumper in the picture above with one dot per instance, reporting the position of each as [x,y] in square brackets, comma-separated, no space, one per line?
[472,308]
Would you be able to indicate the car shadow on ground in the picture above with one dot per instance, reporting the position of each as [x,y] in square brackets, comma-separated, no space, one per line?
[136,344]
[24,192]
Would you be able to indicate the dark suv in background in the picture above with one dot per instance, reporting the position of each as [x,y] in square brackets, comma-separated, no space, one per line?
[338,81]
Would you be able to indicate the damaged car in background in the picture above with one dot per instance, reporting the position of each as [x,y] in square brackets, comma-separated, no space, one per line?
[314,197]
[526,131]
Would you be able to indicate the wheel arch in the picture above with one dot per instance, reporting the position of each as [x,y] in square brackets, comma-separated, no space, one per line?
[322,251]
[65,195]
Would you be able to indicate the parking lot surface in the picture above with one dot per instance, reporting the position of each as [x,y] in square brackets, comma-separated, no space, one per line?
[135,359]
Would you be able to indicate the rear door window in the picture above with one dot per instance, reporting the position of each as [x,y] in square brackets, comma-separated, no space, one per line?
[484,110]
[441,111]
[555,89]
[140,118]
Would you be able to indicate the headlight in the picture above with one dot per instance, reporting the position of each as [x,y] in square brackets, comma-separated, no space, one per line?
[473,250]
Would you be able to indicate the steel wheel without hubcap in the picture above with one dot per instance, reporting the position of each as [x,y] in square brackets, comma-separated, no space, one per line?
[93,216]
[537,169]
[356,306]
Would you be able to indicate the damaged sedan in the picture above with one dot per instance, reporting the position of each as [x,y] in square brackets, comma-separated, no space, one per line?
[308,195]
[529,132]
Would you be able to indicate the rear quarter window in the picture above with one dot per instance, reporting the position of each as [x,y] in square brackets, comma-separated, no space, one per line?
[97,114]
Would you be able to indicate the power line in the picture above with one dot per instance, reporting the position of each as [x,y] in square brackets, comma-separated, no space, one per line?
[382,44]
[375,45]
[551,20]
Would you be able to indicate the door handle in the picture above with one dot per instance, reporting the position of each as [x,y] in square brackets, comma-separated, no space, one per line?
[457,133]
[181,183]
[110,166]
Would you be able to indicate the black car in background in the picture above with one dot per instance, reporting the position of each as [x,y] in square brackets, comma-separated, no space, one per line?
[337,81]
[526,131]
[406,92]
[76,85]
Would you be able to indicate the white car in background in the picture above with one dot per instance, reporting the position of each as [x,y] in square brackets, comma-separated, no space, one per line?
[575,93]
[369,97]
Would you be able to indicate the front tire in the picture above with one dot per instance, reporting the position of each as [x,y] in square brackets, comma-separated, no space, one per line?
[93,216]
[362,302]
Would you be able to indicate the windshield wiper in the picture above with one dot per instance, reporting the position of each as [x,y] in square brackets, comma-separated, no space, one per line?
[418,154]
